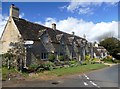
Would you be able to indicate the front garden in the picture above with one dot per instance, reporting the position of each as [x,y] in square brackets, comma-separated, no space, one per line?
[12,74]
[56,68]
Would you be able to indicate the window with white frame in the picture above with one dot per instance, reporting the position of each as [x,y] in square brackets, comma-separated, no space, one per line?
[44,56]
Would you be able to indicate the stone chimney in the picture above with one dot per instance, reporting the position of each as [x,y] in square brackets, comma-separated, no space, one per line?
[73,33]
[95,44]
[54,26]
[84,36]
[14,11]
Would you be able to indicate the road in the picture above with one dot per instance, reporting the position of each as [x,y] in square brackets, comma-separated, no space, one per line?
[107,77]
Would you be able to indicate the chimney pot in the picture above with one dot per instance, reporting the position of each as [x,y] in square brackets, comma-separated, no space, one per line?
[54,26]
[13,4]
[73,33]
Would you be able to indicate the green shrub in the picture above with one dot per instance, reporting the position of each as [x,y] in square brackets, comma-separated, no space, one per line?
[72,62]
[87,57]
[61,58]
[41,67]
[48,65]
[87,60]
[51,57]
[7,57]
[108,59]
[33,66]
[66,62]
[94,60]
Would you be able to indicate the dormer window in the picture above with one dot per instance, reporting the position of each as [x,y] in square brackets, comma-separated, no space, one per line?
[45,39]
[74,44]
[62,43]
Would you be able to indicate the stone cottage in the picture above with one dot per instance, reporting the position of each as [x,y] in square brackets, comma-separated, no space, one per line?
[42,41]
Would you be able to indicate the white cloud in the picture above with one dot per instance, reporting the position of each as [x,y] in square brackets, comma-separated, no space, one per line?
[79,26]
[38,22]
[85,11]
[22,15]
[3,21]
[82,7]
[49,21]
[87,6]
[93,31]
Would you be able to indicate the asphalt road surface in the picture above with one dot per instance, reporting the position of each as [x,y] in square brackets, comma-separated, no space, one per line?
[107,77]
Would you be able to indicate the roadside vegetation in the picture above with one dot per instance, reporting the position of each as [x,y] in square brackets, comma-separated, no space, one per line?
[113,47]
[53,67]
[12,73]
[110,59]
[13,67]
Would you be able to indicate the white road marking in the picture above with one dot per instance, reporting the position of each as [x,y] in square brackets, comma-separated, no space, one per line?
[85,84]
[94,84]
[86,76]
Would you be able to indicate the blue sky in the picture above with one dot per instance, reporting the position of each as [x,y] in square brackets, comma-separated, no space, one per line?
[96,20]
[39,11]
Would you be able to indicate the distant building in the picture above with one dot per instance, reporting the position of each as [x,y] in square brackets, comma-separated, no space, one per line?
[99,51]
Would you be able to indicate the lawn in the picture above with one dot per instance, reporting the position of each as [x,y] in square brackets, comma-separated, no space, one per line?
[74,70]
[55,72]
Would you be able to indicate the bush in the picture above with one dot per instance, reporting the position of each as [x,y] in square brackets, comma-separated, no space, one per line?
[5,57]
[51,57]
[33,66]
[87,57]
[41,67]
[87,60]
[61,58]
[48,66]
[66,62]
[108,59]
[73,63]
[94,60]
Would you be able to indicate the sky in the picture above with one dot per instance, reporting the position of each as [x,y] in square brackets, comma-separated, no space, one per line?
[96,20]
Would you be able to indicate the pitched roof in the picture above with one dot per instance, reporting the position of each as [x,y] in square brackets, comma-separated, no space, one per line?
[28,30]
[59,36]
[32,31]
[98,53]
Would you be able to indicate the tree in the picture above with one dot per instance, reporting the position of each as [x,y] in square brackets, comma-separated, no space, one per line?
[16,55]
[7,59]
[112,45]
[19,51]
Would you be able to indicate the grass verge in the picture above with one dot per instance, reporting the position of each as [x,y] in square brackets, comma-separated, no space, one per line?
[56,72]
[6,71]
[74,70]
